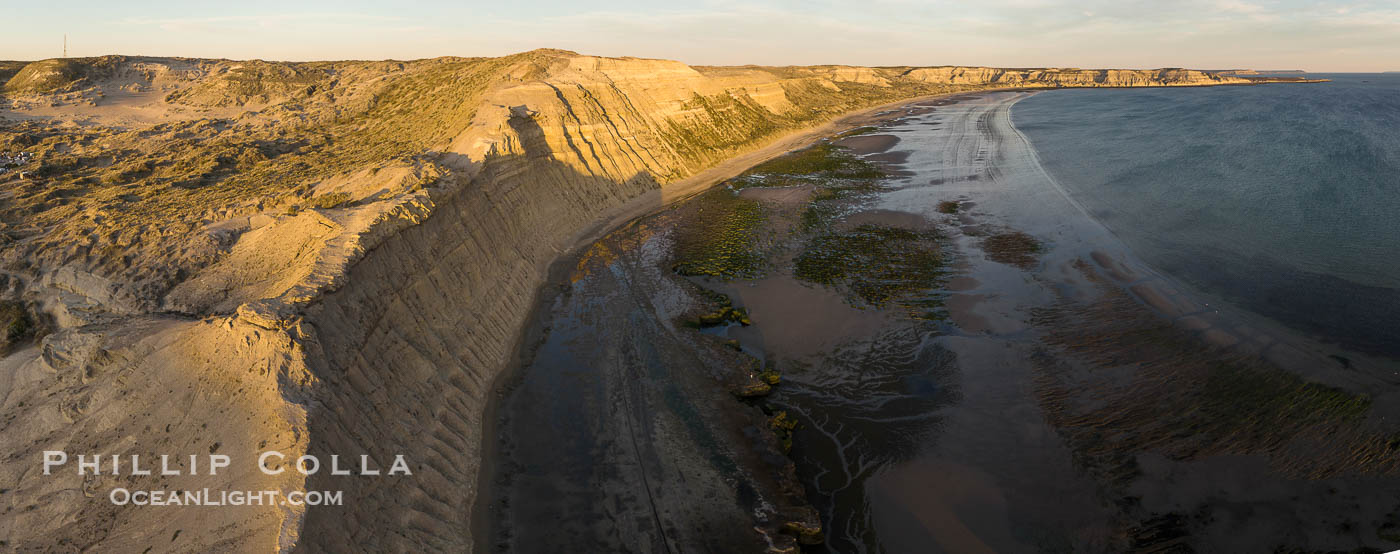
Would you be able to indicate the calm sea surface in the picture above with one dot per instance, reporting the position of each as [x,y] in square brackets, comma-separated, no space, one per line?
[1282,199]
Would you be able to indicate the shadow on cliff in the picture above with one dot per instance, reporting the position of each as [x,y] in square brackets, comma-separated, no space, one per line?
[408,351]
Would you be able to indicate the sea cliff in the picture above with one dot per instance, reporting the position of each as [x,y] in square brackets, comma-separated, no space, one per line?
[336,258]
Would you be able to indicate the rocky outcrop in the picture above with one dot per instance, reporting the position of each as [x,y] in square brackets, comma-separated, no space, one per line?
[357,286]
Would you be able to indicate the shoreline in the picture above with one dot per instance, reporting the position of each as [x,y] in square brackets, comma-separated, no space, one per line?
[678,191]
[1205,313]
[683,189]
[1150,290]
[1002,298]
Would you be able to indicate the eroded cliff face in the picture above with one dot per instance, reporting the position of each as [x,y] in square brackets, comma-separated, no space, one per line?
[429,317]
[1070,77]
[336,259]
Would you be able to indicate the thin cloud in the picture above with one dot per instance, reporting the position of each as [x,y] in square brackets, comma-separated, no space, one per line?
[260,21]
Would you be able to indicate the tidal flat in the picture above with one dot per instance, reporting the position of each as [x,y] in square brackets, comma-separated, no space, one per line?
[908,338]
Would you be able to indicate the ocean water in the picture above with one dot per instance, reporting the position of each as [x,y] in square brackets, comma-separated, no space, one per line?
[1280,199]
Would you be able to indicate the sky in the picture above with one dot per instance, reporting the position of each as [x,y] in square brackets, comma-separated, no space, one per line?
[1205,34]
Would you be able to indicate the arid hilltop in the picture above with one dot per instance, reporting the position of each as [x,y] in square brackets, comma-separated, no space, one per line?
[204,256]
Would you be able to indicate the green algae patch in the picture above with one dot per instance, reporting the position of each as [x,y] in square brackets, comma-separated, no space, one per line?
[1013,248]
[877,264]
[1117,380]
[721,238]
[819,215]
[831,201]
[948,207]
[755,389]
[782,426]
[724,312]
[724,316]
[835,173]
[806,533]
[816,164]
[771,376]
[1240,396]
[858,131]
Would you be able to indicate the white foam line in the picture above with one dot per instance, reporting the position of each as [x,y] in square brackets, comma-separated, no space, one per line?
[1123,252]
[1040,167]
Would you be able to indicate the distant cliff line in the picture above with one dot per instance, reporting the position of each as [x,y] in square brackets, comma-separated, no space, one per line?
[67,74]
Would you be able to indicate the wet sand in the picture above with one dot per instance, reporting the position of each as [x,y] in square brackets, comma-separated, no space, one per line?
[621,431]
[867,144]
[1009,424]
[783,299]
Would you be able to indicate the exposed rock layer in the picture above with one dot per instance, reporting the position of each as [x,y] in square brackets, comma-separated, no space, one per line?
[1068,77]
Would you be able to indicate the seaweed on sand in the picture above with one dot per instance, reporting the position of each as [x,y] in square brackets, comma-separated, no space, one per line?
[1117,380]
[1013,248]
[782,425]
[858,131]
[878,264]
[833,170]
[817,164]
[722,239]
